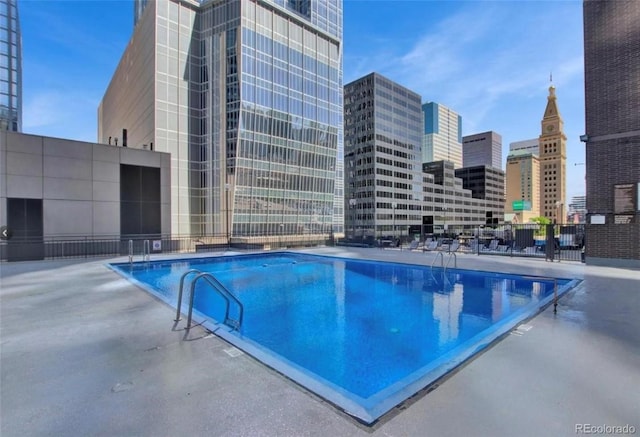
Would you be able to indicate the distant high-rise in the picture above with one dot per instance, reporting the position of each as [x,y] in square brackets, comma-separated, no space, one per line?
[612,103]
[247,97]
[553,162]
[528,146]
[10,67]
[522,186]
[442,134]
[485,182]
[383,172]
[482,149]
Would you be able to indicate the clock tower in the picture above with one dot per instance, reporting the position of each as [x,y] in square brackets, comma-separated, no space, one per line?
[553,162]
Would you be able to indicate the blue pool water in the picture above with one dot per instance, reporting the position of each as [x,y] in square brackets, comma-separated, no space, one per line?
[365,335]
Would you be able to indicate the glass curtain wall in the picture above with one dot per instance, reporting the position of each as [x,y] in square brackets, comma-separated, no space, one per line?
[10,67]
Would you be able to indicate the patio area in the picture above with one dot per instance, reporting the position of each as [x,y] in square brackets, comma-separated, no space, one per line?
[85,352]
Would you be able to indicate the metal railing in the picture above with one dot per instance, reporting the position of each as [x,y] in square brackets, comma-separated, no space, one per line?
[556,242]
[66,247]
[222,291]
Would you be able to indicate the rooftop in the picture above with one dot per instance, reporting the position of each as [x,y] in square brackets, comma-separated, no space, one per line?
[85,352]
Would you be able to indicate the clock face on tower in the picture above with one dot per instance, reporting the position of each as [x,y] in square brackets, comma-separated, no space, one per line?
[549,128]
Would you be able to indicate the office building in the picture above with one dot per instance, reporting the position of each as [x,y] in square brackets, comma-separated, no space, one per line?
[383,172]
[10,67]
[485,182]
[482,149]
[528,146]
[553,162]
[246,96]
[522,200]
[451,207]
[612,136]
[442,140]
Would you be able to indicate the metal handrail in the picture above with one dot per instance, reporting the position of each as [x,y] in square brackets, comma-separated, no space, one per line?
[455,262]
[226,295]
[146,251]
[555,289]
[130,252]
[436,257]
[180,290]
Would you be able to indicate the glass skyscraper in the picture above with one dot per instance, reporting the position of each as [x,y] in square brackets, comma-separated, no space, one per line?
[10,67]
[247,97]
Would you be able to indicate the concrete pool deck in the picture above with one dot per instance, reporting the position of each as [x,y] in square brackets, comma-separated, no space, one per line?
[85,352]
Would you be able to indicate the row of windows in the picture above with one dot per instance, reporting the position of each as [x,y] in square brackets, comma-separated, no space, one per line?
[293,128]
[285,155]
[282,181]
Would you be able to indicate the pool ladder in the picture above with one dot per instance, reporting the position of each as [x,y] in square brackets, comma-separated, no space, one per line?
[444,266]
[146,251]
[216,286]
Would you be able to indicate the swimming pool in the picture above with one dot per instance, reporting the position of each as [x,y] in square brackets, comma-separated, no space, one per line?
[364,335]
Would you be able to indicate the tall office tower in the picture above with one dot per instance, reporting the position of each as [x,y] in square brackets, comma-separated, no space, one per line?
[553,162]
[528,146]
[482,149]
[442,138]
[10,67]
[247,97]
[485,182]
[383,172]
[612,103]
[522,201]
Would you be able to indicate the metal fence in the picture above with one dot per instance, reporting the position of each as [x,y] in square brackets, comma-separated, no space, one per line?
[551,242]
[558,242]
[60,247]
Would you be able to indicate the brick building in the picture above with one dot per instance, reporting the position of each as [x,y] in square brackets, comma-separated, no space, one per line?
[612,137]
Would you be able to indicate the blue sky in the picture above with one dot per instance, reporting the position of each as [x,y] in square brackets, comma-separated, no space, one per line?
[489,61]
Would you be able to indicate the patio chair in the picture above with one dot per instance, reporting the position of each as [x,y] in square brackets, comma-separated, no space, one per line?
[454,246]
[493,246]
[432,245]
[413,245]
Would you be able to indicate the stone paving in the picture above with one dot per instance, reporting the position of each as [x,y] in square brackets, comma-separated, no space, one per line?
[83,352]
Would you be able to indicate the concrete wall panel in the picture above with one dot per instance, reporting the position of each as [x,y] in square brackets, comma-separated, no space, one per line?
[67,189]
[25,164]
[106,171]
[106,153]
[106,218]
[28,187]
[139,157]
[68,148]
[24,143]
[106,191]
[67,217]
[67,168]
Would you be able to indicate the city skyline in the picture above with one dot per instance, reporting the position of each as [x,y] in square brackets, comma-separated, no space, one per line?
[449,52]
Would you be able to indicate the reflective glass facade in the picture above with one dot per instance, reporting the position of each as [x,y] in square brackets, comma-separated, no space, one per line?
[276,108]
[248,101]
[10,67]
